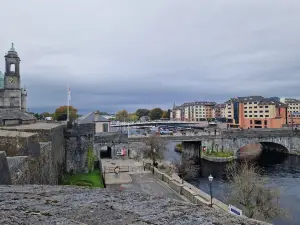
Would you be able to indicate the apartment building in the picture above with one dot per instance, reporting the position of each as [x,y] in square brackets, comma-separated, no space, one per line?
[219,111]
[256,112]
[293,110]
[176,113]
[198,111]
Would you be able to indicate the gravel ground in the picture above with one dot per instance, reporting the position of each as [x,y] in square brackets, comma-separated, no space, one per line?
[66,205]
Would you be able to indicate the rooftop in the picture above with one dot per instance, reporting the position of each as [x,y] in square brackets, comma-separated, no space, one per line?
[90,118]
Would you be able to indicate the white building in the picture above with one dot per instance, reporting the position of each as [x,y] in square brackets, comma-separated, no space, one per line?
[101,124]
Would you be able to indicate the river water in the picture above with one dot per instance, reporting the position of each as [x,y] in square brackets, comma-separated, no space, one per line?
[283,174]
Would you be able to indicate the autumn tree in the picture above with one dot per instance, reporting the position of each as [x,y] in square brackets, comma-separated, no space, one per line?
[122,115]
[165,115]
[132,117]
[142,112]
[61,113]
[154,149]
[156,114]
[251,192]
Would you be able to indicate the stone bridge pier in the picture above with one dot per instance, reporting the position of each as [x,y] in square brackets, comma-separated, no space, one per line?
[191,149]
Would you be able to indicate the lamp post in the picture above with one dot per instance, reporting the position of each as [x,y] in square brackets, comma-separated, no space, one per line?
[210,179]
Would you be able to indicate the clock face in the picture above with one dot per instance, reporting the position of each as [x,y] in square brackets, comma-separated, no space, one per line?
[11,80]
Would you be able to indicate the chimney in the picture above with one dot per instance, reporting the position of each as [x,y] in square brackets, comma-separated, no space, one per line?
[96,116]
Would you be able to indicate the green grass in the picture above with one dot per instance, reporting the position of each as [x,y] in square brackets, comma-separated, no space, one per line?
[218,154]
[93,179]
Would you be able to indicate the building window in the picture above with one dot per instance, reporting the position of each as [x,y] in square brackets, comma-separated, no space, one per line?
[255,115]
[261,111]
[266,106]
[266,115]
[254,102]
[260,106]
[266,111]
[255,107]
[266,122]
[261,116]
[250,111]
[250,121]
[245,111]
[250,107]
[255,111]
[250,115]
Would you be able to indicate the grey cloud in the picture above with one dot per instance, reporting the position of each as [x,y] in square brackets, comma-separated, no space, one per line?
[131,54]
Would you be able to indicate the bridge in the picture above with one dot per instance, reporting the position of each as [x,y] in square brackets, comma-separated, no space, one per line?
[233,141]
[157,123]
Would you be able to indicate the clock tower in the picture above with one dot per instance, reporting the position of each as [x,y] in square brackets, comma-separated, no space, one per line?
[12,84]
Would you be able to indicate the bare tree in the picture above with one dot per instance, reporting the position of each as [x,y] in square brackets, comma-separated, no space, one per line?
[251,191]
[185,168]
[155,148]
[138,154]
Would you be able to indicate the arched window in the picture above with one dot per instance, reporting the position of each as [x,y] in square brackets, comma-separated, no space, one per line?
[12,68]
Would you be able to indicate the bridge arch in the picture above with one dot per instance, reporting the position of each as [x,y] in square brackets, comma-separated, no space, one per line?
[261,148]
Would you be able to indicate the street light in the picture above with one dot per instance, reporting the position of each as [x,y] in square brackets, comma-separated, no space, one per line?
[210,179]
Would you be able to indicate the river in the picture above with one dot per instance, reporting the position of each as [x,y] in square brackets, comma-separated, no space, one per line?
[283,174]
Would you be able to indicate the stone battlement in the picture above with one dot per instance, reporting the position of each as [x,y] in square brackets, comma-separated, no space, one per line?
[33,153]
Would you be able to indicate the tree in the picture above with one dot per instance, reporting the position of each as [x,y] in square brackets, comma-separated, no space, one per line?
[142,112]
[46,114]
[165,115]
[185,168]
[61,113]
[250,191]
[156,114]
[132,117]
[37,116]
[154,149]
[122,115]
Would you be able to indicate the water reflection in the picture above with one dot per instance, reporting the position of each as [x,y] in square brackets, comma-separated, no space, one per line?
[282,171]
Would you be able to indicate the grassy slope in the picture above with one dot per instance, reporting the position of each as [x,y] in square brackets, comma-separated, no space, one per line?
[94,178]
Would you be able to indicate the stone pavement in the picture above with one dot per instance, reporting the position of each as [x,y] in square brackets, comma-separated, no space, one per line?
[146,183]
[67,205]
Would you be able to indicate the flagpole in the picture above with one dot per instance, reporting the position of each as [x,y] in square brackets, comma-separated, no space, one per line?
[68,104]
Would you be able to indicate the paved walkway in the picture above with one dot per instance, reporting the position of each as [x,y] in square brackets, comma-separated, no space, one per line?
[145,182]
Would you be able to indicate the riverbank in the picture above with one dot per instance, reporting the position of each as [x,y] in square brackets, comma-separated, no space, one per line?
[190,192]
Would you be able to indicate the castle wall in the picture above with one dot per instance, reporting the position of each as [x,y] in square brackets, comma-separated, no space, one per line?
[43,168]
[78,141]
[32,170]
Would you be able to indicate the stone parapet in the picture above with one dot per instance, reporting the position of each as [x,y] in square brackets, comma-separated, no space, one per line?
[16,143]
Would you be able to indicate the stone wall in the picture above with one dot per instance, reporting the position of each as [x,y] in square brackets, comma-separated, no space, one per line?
[76,153]
[4,169]
[32,169]
[17,143]
[35,152]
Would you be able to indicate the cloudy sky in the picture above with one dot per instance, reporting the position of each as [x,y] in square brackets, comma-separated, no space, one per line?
[135,54]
